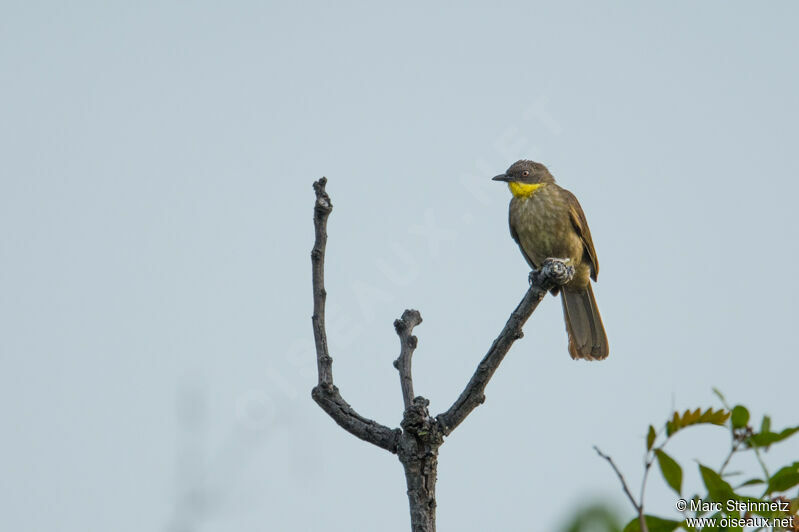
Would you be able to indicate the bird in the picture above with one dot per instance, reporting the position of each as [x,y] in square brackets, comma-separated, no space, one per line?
[546,221]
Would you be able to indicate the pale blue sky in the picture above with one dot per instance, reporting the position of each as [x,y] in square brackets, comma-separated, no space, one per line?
[155,229]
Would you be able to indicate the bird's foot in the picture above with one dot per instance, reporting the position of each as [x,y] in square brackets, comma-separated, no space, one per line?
[553,272]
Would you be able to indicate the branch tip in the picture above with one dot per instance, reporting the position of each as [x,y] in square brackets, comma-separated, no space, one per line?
[404,327]
[323,203]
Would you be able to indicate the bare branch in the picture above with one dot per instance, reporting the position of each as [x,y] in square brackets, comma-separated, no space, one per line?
[404,327]
[639,508]
[329,398]
[325,393]
[322,210]
[621,477]
[554,272]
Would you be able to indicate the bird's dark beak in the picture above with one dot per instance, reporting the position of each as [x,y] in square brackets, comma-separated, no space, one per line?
[501,177]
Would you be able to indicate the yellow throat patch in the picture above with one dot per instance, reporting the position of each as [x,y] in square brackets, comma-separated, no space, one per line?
[523,190]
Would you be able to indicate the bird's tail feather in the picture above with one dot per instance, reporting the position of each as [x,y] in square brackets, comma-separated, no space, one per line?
[587,339]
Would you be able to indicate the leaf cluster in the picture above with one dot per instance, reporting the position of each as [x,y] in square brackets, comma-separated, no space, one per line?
[779,486]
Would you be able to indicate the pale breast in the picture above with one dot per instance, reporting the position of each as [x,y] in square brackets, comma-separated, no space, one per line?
[544,227]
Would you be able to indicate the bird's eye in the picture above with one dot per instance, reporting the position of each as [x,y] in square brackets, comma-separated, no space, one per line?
[526,173]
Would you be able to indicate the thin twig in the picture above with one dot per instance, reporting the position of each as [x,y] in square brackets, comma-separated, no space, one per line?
[647,467]
[763,466]
[639,508]
[404,327]
[649,459]
[621,478]
[733,448]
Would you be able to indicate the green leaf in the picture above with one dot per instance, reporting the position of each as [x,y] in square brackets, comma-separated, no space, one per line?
[717,488]
[765,439]
[752,482]
[765,425]
[650,438]
[671,470]
[740,417]
[654,524]
[784,479]
[688,418]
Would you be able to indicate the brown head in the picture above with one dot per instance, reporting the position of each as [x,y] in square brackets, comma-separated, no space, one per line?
[525,177]
[526,172]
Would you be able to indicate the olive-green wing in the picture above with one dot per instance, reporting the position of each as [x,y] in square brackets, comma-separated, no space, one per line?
[581,226]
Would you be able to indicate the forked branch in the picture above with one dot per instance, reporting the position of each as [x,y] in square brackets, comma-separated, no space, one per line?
[418,441]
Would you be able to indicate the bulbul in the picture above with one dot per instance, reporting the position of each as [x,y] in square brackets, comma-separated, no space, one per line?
[547,221]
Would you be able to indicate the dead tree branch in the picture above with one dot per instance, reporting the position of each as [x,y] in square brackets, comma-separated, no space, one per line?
[421,435]
[553,272]
[325,393]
